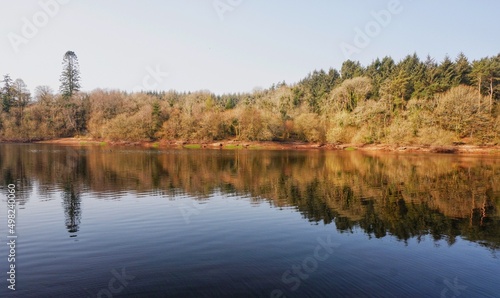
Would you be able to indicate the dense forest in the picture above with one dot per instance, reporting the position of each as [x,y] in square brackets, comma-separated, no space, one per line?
[411,101]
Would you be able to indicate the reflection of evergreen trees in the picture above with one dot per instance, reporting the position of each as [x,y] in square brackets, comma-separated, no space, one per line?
[401,195]
[311,204]
[72,211]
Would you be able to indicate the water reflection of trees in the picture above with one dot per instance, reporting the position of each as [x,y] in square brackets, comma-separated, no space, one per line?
[403,195]
[72,211]
[14,171]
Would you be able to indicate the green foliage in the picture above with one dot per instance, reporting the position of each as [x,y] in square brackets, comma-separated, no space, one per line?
[70,76]
[379,71]
[192,146]
[351,69]
[233,147]
[463,70]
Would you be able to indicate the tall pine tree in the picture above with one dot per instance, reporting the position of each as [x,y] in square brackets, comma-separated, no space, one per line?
[70,77]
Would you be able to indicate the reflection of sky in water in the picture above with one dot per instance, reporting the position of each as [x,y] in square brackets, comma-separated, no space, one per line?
[235,246]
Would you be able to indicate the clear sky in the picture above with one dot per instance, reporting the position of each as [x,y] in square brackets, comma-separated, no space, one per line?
[230,45]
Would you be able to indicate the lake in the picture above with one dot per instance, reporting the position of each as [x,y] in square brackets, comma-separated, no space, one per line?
[101,221]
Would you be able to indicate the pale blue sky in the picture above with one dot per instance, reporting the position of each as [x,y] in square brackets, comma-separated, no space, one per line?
[255,44]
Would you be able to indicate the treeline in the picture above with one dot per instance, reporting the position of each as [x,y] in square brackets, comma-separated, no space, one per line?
[411,101]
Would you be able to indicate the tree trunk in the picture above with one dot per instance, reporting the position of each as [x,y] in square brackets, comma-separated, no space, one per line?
[479,93]
[491,94]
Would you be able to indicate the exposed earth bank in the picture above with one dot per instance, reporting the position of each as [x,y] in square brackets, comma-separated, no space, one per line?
[234,144]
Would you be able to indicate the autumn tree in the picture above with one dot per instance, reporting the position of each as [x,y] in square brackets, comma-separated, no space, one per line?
[346,96]
[22,95]
[44,94]
[458,112]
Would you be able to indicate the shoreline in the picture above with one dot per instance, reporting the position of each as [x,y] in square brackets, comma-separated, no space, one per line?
[276,145]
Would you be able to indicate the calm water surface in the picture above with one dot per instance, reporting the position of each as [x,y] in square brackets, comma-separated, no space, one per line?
[125,222]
